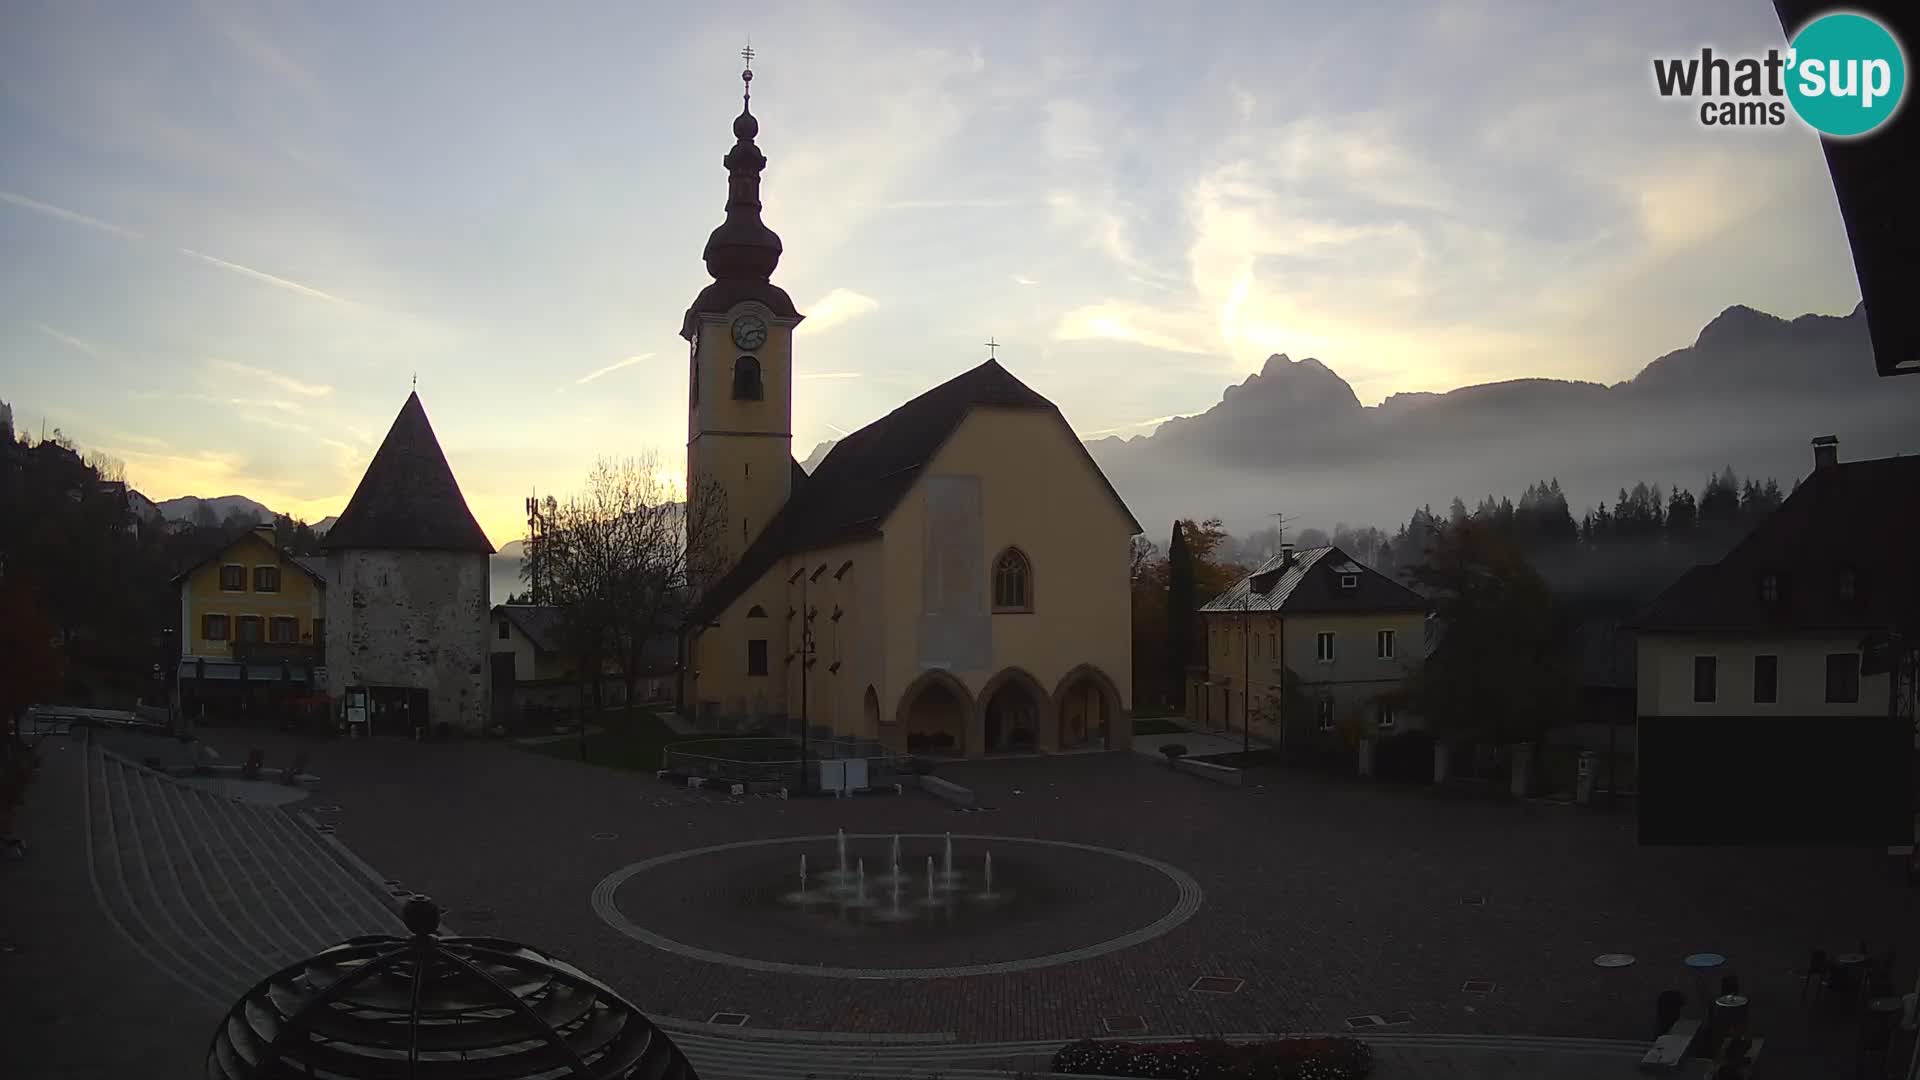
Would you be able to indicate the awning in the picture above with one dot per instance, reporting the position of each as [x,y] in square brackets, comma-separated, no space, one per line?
[229,671]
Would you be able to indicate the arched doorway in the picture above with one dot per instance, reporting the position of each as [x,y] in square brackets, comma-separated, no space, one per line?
[933,714]
[870,714]
[1013,704]
[1088,706]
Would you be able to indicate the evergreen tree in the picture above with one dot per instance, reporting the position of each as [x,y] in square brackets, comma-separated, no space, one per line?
[1681,513]
[1181,605]
[1720,501]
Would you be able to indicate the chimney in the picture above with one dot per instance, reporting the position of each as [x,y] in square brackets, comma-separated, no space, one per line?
[1826,452]
[1286,556]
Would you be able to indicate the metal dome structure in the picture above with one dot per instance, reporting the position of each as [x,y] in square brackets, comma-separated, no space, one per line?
[422,1007]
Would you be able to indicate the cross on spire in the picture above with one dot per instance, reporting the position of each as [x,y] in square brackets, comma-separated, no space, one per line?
[747,54]
[991,346]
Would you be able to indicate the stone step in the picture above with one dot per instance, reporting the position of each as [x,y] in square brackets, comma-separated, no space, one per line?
[309,916]
[179,911]
[267,906]
[357,908]
[238,896]
[211,897]
[128,889]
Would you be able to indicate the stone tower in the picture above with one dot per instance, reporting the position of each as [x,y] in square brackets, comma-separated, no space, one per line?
[739,334]
[407,610]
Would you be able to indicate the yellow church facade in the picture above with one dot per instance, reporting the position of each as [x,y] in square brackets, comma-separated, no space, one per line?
[952,578]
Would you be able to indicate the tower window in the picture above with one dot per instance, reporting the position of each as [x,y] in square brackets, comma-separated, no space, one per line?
[1012,582]
[746,379]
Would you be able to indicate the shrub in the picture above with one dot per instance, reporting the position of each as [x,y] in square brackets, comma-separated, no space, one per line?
[1407,757]
[1174,751]
[1323,1058]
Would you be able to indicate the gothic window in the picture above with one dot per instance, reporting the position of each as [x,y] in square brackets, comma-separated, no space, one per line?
[1012,581]
[746,379]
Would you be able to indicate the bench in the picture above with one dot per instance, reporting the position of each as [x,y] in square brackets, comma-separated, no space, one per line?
[946,789]
[1219,774]
[1668,1049]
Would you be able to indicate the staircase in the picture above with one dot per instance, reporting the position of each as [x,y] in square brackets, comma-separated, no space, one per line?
[217,893]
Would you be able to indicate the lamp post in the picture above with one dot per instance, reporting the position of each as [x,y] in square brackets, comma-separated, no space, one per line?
[806,660]
[1246,669]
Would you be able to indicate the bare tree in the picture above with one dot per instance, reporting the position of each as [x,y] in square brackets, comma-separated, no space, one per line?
[624,559]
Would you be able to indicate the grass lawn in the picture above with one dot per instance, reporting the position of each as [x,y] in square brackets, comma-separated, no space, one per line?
[635,743]
[1156,726]
[1252,759]
[621,743]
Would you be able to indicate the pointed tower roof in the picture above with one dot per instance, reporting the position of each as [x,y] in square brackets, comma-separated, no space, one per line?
[408,498]
[742,252]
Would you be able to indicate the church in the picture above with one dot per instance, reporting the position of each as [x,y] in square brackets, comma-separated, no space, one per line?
[952,579]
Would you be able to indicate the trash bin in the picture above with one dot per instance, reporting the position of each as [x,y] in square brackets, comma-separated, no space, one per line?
[1583,779]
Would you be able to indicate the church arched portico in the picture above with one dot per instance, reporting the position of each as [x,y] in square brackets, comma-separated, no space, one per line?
[1087,712]
[935,714]
[1013,714]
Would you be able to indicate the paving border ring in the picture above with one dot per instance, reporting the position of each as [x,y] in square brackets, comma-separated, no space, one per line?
[1190,896]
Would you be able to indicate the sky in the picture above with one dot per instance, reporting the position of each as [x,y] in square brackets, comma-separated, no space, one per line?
[235,233]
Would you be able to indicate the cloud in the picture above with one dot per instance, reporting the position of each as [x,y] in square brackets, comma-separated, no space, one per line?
[1135,426]
[67,215]
[284,382]
[223,399]
[951,204]
[266,420]
[1120,322]
[1022,279]
[261,275]
[613,367]
[831,375]
[837,307]
[67,339]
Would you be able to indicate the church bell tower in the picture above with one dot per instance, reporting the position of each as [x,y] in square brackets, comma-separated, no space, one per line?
[739,335]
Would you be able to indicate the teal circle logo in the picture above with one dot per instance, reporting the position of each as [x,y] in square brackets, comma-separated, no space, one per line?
[1846,74]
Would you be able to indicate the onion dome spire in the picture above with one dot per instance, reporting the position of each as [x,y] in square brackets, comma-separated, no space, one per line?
[743,248]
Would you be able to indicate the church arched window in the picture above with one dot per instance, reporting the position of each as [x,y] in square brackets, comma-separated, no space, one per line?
[746,379]
[756,612]
[1012,581]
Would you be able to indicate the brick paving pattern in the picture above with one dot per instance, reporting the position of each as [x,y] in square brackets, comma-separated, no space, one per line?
[1331,899]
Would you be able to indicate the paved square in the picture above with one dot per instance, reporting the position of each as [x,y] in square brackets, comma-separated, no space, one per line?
[1328,899]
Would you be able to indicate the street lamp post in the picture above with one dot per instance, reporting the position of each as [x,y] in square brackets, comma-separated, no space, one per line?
[806,660]
[1246,669]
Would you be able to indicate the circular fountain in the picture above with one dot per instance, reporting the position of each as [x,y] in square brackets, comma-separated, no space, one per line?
[907,905]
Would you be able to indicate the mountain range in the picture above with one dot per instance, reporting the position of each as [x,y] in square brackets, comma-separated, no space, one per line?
[1293,439]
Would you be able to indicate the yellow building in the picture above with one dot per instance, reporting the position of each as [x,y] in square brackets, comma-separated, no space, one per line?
[951,579]
[252,622]
[1311,644]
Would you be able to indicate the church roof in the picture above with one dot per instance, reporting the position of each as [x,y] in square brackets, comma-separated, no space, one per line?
[867,473]
[408,499]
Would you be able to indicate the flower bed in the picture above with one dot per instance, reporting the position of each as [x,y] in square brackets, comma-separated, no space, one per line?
[1335,1058]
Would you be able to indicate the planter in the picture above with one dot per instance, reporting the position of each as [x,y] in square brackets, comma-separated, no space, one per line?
[1219,774]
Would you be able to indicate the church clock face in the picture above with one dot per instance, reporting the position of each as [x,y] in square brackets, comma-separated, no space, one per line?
[749,332]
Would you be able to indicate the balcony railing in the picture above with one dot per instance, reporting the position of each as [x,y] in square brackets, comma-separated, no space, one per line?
[278,652]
